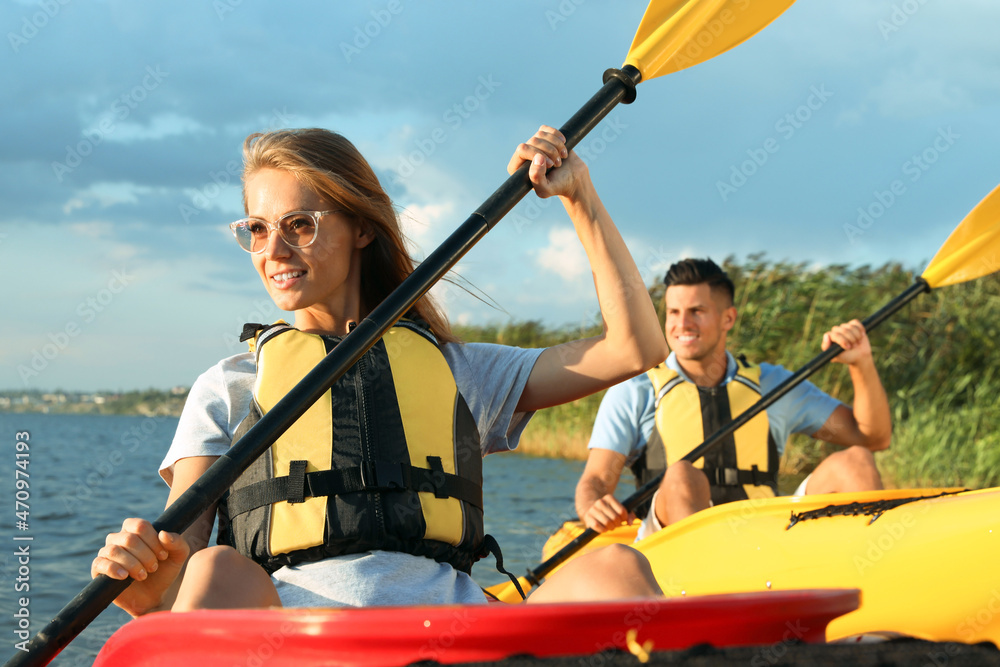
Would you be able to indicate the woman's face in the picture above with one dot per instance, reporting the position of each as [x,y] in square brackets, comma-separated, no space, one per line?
[324,277]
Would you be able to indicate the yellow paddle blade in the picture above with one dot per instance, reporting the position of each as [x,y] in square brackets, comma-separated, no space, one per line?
[507,593]
[676,34]
[972,250]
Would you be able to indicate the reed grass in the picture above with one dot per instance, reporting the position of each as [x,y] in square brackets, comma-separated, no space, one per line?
[936,360]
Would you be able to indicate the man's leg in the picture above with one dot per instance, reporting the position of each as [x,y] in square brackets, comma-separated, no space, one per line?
[849,470]
[683,491]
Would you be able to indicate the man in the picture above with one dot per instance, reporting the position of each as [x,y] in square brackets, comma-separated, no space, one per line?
[653,420]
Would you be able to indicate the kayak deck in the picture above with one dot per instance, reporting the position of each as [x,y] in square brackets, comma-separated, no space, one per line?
[924,559]
[392,636]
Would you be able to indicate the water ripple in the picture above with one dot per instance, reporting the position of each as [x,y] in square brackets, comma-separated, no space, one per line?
[87,476]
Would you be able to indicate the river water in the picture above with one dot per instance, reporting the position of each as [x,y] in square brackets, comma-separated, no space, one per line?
[87,473]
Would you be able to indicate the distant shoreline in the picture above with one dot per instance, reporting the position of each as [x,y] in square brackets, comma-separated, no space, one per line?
[147,402]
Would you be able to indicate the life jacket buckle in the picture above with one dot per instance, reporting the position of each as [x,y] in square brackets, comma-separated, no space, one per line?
[727,477]
[381,476]
[389,476]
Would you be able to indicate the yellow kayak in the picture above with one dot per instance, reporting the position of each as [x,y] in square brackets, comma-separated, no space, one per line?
[927,561]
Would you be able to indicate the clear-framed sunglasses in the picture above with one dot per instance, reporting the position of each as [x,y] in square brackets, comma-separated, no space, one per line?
[298,229]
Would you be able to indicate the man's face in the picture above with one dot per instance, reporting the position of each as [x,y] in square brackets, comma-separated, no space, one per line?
[697,321]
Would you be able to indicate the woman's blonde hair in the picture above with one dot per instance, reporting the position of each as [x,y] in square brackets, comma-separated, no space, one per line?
[331,166]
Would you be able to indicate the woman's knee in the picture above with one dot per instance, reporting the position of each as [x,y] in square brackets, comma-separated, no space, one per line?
[621,559]
[612,572]
[626,570]
[221,578]
[222,558]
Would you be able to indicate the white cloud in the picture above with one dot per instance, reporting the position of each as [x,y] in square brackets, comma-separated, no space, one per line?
[72,205]
[564,255]
[418,222]
[158,127]
[104,234]
[106,194]
[851,116]
[914,94]
[92,230]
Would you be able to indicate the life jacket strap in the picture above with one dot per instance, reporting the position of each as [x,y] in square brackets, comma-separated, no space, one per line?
[491,546]
[370,476]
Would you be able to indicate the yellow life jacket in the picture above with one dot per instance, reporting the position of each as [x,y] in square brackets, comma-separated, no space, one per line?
[387,459]
[744,465]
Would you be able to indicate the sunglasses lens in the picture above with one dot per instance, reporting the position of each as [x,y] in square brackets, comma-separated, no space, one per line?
[298,230]
[250,234]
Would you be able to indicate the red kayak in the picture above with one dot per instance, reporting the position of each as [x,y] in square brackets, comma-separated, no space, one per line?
[392,636]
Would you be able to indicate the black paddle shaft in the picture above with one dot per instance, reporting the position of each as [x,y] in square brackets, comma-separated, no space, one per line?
[619,86]
[646,491]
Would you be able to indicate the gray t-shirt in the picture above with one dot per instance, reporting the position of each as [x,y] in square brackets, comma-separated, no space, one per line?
[491,378]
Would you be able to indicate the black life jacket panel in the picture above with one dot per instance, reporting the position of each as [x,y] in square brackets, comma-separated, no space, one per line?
[387,459]
[744,465]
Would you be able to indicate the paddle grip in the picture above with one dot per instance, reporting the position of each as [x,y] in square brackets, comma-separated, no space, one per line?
[646,491]
[177,518]
[614,90]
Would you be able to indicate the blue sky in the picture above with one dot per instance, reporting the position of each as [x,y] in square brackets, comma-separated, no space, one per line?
[124,122]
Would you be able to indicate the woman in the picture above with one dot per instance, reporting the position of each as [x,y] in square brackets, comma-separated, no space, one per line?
[325,240]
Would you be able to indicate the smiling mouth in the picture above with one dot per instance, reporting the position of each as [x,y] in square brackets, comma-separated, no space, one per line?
[281,279]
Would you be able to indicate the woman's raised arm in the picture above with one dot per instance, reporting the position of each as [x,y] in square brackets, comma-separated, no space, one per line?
[632,341]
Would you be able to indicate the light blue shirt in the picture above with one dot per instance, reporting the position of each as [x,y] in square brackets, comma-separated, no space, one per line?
[626,417]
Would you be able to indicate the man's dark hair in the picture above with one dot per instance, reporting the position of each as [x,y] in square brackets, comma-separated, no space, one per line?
[698,271]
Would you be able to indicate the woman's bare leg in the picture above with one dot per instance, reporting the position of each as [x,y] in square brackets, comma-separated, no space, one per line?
[611,573]
[222,578]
